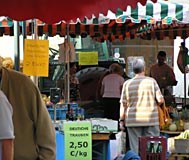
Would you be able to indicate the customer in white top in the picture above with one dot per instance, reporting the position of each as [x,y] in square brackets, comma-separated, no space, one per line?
[6,129]
[111,91]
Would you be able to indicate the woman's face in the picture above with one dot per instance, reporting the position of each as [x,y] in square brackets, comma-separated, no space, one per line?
[73,69]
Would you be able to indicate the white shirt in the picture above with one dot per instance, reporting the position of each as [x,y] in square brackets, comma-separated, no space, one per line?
[6,124]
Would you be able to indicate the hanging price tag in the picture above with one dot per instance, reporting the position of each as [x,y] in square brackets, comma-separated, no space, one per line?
[78,140]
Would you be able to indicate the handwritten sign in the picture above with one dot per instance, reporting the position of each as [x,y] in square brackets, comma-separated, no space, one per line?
[88,58]
[36,57]
[78,140]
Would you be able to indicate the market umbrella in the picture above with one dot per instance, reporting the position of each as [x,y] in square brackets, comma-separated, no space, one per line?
[54,11]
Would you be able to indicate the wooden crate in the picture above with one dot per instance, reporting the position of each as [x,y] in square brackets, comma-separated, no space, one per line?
[178,145]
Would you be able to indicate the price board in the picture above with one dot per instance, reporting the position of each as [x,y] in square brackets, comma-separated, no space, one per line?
[78,140]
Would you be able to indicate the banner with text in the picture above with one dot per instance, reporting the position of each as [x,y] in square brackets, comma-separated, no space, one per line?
[78,140]
[36,57]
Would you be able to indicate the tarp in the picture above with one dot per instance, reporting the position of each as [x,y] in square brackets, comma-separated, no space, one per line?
[154,20]
[53,11]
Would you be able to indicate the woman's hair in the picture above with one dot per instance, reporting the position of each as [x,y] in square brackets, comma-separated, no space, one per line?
[138,66]
[72,64]
[114,68]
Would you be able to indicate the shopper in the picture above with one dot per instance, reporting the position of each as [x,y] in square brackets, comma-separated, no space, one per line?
[111,91]
[6,129]
[138,105]
[163,74]
[33,128]
[74,88]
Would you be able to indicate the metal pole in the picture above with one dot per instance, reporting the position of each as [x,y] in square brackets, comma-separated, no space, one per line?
[16,46]
[68,66]
[34,36]
[184,85]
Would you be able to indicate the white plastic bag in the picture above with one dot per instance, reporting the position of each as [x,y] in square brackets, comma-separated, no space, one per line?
[121,143]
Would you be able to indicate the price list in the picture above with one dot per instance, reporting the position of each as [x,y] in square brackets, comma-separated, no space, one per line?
[78,140]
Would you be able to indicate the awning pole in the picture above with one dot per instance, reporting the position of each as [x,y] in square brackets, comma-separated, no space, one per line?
[184,86]
[68,66]
[16,46]
[34,36]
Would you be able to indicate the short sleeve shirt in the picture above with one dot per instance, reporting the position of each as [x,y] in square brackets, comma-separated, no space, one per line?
[6,124]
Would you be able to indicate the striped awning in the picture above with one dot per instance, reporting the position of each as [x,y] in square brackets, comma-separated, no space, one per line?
[162,11]
[51,11]
[102,28]
[163,31]
[131,23]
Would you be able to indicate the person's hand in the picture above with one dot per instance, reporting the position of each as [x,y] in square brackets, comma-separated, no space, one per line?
[122,125]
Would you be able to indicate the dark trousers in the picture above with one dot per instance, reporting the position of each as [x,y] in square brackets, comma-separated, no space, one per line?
[111,108]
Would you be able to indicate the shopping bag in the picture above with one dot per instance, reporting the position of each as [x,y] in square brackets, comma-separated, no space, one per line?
[164,118]
[121,142]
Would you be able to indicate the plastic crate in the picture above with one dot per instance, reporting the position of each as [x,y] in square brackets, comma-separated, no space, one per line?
[61,112]
[146,154]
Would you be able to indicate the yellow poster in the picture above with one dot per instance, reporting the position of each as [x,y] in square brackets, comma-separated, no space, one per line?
[36,57]
[88,58]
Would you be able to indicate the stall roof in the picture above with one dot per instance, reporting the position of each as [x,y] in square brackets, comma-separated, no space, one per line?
[142,21]
[54,11]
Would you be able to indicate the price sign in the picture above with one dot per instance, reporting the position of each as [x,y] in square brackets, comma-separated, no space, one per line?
[78,140]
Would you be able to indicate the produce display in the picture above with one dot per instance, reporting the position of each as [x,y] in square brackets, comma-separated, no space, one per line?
[7,62]
[183,135]
[179,120]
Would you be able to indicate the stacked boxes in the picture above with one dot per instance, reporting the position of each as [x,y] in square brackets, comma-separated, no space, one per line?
[62,110]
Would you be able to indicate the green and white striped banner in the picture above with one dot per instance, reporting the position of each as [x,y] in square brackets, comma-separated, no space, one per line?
[166,12]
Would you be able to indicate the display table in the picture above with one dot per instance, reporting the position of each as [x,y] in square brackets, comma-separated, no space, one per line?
[169,134]
[100,146]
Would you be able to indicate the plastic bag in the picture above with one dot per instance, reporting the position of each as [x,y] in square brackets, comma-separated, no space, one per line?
[121,142]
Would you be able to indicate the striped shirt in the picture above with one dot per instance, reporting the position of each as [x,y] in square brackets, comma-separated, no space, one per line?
[140,94]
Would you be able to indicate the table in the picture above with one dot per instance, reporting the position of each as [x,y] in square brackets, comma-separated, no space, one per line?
[169,134]
[100,146]
[178,156]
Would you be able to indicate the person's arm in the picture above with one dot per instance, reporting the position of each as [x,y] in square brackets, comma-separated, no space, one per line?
[123,108]
[44,129]
[171,78]
[102,90]
[158,94]
[7,149]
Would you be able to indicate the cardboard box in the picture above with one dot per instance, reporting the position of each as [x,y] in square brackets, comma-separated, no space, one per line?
[104,125]
[178,145]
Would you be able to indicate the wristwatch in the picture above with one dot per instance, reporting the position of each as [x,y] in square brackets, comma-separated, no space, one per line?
[121,120]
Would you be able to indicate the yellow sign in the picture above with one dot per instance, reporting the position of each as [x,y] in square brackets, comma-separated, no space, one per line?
[36,57]
[78,140]
[88,58]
